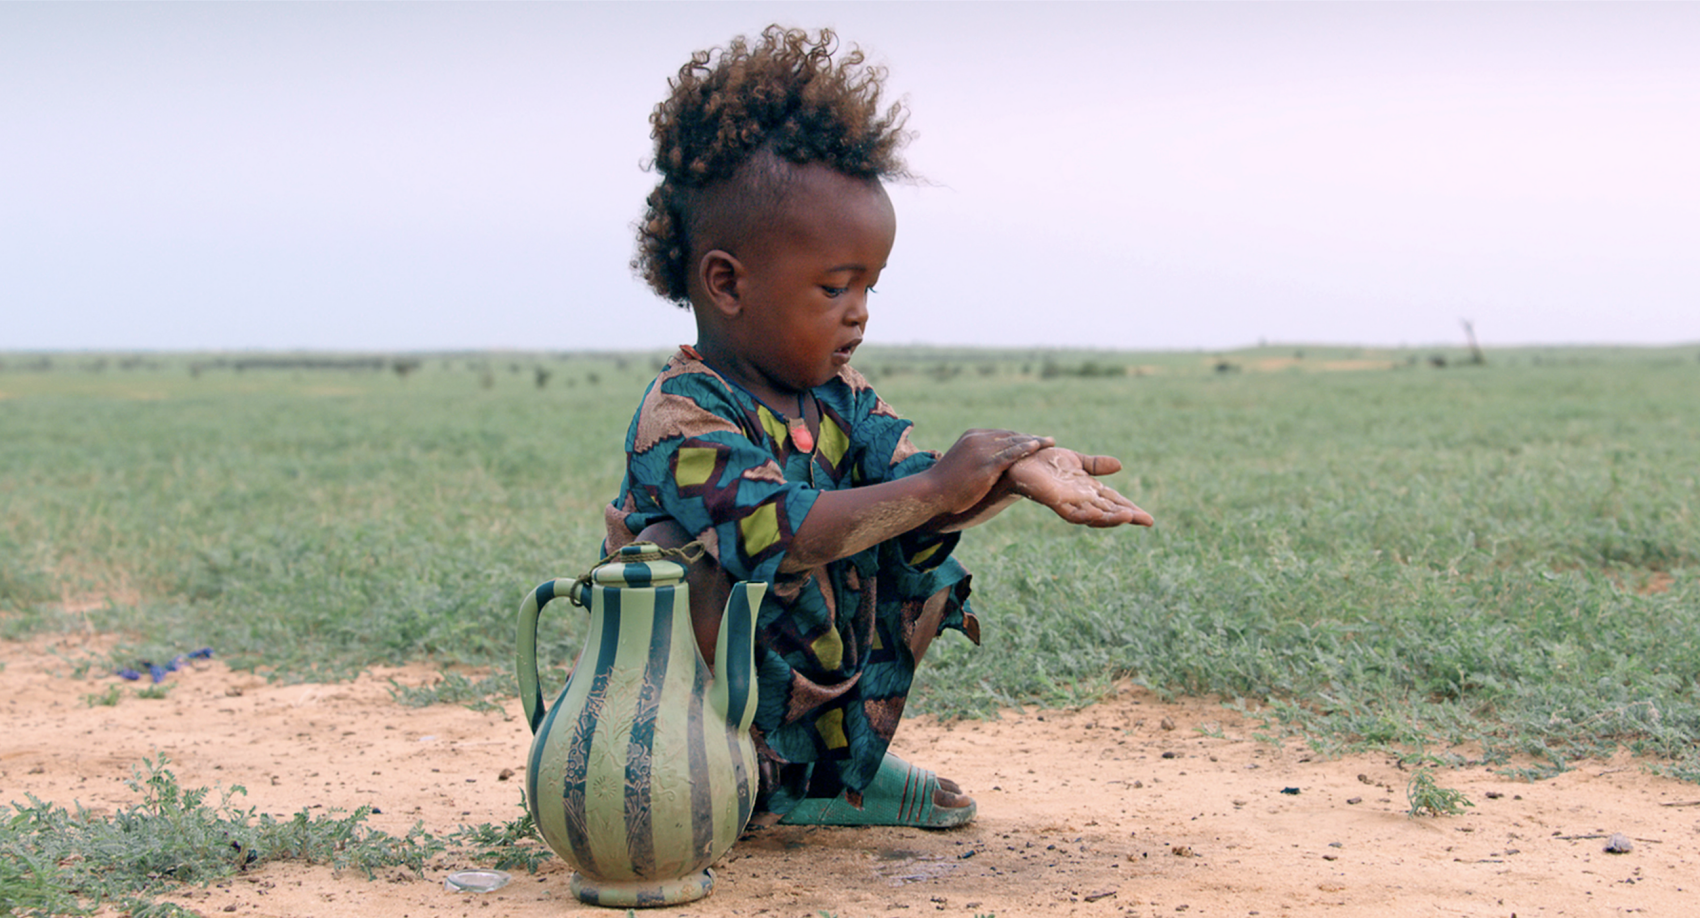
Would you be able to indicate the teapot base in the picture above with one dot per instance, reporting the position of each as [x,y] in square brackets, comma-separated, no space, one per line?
[642,893]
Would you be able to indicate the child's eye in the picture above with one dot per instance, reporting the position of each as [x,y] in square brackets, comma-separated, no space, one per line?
[835,292]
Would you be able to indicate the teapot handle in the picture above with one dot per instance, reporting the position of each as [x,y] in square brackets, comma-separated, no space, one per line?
[525,663]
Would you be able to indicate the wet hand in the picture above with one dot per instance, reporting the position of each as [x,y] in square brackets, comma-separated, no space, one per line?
[1066,481]
[978,460]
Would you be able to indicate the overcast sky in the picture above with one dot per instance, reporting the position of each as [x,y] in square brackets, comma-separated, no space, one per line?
[400,176]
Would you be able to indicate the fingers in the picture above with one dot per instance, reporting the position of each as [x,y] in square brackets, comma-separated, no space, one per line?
[1098,466]
[1113,508]
[1020,446]
[1010,447]
[1120,517]
[1009,441]
[1064,480]
[1095,466]
[1102,510]
[1126,511]
[1129,515]
[1095,517]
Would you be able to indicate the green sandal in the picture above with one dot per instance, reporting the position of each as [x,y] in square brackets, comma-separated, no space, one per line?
[900,795]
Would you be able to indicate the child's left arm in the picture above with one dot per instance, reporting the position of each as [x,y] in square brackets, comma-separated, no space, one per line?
[1067,482]
[1059,478]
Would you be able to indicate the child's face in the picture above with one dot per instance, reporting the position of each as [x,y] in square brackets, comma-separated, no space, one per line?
[803,292]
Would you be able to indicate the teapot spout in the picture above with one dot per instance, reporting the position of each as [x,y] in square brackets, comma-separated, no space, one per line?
[733,695]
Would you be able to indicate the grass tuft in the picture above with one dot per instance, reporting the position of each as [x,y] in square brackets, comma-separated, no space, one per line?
[55,861]
[509,846]
[106,699]
[453,688]
[1430,799]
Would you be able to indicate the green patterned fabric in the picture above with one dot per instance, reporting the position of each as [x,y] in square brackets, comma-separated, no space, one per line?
[832,643]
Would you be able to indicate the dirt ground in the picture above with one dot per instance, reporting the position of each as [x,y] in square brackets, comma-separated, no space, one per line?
[1130,807]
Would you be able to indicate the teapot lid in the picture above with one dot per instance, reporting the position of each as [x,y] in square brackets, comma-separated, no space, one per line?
[638,565]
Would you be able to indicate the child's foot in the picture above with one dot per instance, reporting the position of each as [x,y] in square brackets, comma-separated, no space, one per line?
[900,795]
[949,795]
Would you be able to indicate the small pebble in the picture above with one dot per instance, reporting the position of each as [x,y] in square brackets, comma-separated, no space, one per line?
[1619,843]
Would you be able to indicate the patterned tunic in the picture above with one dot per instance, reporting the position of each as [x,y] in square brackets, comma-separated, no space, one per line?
[832,643]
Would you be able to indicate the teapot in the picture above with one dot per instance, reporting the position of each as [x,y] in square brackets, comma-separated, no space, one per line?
[642,773]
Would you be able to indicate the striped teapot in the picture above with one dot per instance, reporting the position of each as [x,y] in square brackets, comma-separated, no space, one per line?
[642,773]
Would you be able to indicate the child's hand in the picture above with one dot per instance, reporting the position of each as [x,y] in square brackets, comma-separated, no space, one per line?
[1062,479]
[847,521]
[979,458]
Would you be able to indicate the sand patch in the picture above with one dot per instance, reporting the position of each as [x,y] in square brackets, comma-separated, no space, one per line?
[1130,807]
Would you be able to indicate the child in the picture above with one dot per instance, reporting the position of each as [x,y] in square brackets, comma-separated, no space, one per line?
[761,442]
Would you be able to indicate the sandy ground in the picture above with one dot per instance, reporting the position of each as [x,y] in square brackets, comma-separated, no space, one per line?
[1130,807]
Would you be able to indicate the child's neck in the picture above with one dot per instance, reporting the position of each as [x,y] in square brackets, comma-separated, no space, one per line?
[783,401]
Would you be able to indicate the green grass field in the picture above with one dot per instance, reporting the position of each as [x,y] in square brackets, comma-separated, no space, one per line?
[1496,562]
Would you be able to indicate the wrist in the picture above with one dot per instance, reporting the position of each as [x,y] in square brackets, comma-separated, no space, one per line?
[940,491]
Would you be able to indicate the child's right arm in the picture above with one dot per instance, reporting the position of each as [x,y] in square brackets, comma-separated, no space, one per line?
[842,523]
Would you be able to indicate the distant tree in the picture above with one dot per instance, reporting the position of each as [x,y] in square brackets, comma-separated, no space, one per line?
[1476,356]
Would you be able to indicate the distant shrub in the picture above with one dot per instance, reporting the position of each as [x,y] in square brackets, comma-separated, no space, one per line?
[1089,369]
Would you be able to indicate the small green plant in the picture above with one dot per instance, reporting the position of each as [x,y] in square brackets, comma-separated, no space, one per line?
[454,688]
[154,692]
[57,861]
[106,699]
[1430,799]
[79,667]
[512,844]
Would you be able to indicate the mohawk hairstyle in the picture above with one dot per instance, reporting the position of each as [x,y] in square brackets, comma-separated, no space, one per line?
[787,97]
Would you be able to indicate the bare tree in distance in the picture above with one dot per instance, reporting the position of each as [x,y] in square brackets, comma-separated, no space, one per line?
[1476,356]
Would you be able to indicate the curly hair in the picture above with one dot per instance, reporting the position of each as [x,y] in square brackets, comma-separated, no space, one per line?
[788,97]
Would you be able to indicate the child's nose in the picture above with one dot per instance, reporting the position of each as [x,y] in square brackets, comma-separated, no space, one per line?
[857,314]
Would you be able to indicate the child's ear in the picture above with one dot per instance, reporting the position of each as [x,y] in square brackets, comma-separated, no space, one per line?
[721,274]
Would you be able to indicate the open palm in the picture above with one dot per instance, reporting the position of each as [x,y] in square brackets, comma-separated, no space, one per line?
[1066,481]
